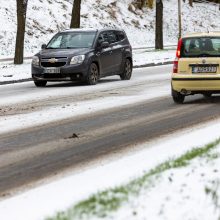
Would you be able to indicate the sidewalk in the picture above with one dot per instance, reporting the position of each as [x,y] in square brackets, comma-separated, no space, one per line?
[10,73]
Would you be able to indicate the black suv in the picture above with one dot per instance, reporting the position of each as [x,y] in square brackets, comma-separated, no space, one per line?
[85,55]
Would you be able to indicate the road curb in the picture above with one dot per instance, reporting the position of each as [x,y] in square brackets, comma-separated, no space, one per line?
[135,67]
[153,64]
[15,81]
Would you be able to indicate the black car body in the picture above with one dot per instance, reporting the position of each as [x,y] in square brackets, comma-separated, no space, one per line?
[85,55]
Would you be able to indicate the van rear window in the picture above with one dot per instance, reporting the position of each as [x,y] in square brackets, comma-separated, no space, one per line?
[201,47]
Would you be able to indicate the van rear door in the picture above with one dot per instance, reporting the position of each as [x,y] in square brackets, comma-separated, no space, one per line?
[200,55]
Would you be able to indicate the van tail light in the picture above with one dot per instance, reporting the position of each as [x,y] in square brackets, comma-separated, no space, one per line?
[175,65]
[176,61]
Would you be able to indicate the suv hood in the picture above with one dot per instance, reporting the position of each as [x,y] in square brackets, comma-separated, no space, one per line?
[63,52]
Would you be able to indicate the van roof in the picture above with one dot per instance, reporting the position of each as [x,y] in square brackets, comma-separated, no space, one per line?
[203,34]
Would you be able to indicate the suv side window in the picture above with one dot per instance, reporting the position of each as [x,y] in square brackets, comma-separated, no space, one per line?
[112,37]
[120,35]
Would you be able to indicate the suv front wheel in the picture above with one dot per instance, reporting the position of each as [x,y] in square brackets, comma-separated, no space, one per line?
[126,75]
[93,75]
[40,83]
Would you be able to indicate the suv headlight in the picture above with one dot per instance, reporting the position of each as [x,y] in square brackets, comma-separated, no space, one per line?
[35,61]
[77,59]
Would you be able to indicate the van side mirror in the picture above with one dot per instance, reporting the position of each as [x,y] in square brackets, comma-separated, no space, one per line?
[43,46]
[105,44]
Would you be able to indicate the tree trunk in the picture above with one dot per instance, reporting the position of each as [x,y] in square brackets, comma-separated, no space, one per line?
[75,21]
[180,18]
[21,20]
[191,3]
[159,25]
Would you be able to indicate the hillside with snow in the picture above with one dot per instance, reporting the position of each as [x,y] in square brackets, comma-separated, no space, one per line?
[46,17]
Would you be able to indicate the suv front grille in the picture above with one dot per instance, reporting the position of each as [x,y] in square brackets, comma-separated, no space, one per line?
[57,64]
[54,61]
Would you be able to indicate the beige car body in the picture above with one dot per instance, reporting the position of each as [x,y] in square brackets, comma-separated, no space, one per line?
[186,82]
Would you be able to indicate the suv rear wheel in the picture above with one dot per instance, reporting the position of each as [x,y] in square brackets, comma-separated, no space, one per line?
[126,75]
[177,97]
[93,75]
[40,83]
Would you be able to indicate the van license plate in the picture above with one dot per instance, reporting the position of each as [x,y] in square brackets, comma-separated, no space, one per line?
[204,69]
[51,70]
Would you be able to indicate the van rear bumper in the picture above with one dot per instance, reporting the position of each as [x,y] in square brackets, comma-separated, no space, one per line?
[196,84]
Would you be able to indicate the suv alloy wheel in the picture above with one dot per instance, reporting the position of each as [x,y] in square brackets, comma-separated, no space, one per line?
[93,75]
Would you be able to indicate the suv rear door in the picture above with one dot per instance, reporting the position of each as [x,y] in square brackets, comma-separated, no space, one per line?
[117,51]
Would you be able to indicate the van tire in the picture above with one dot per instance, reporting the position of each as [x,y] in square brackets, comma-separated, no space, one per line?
[177,97]
[207,95]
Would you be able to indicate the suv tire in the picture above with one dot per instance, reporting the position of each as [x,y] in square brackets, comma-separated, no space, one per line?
[40,83]
[177,97]
[93,75]
[126,75]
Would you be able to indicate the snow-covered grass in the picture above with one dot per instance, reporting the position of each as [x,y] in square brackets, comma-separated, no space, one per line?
[46,17]
[151,194]
[187,192]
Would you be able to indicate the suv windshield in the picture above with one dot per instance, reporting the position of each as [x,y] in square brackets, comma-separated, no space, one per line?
[201,47]
[72,40]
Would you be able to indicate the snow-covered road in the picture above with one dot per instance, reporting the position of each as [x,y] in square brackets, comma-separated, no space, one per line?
[111,120]
[23,105]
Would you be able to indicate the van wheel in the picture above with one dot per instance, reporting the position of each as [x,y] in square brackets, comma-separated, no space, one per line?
[207,95]
[126,75]
[177,97]
[41,83]
[93,75]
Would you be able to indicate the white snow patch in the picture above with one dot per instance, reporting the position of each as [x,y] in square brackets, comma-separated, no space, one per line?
[47,199]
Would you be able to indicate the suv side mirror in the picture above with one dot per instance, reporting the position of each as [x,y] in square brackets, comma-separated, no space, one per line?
[44,46]
[105,44]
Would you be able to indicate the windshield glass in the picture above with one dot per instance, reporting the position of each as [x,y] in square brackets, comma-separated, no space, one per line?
[201,47]
[72,40]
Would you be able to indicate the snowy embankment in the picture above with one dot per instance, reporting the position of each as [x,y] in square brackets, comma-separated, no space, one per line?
[46,17]
[189,191]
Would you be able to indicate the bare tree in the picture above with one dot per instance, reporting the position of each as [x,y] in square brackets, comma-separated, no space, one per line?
[159,25]
[75,21]
[21,20]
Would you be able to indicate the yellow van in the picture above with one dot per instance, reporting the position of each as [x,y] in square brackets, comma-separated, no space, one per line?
[196,68]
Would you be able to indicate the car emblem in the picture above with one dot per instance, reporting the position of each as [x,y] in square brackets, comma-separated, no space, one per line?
[52,60]
[203,61]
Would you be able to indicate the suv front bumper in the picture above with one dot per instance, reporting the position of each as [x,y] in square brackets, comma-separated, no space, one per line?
[67,73]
